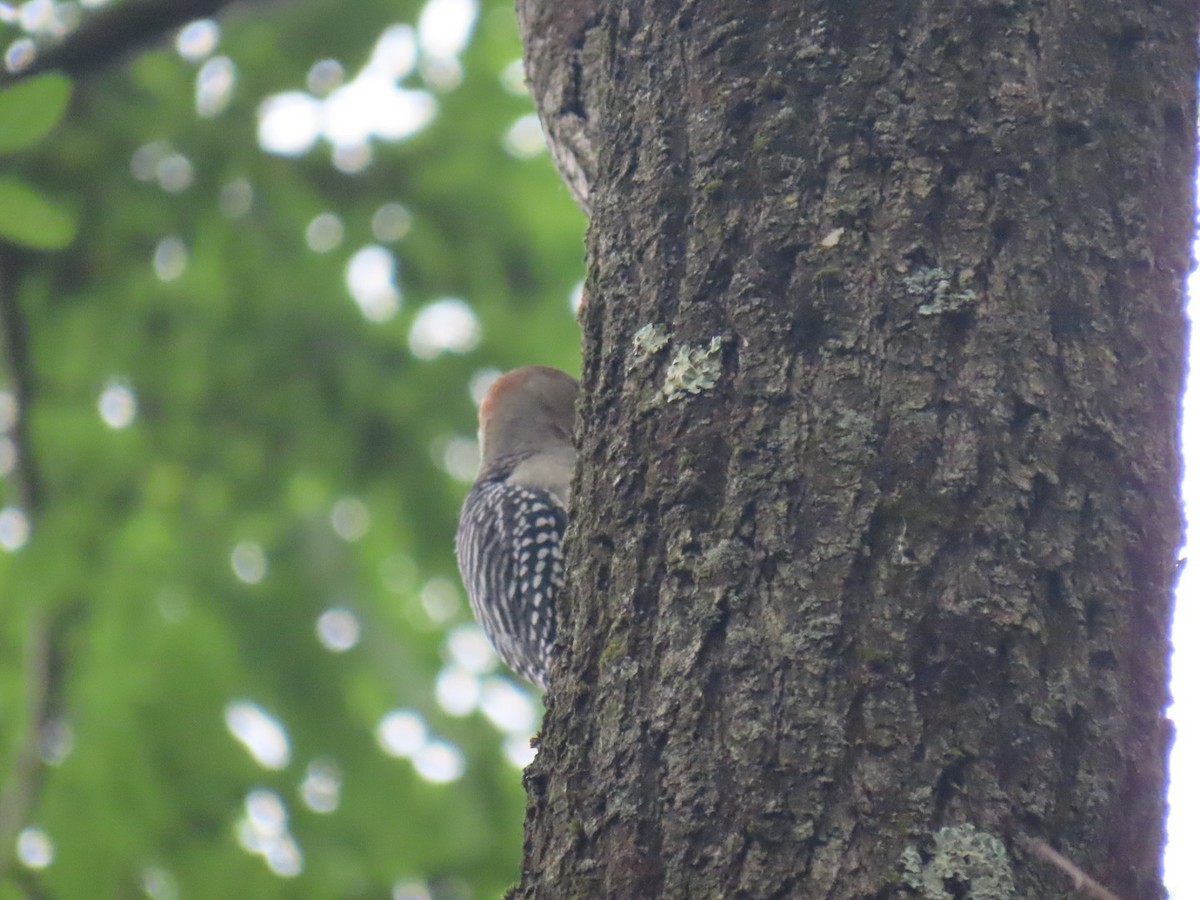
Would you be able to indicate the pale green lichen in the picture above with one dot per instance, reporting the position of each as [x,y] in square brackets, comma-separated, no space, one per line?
[912,867]
[940,289]
[832,239]
[692,370]
[964,862]
[649,339]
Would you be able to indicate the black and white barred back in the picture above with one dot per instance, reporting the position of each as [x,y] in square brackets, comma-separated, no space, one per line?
[509,548]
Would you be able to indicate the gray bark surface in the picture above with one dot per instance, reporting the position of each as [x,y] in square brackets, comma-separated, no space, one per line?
[875,520]
[563,66]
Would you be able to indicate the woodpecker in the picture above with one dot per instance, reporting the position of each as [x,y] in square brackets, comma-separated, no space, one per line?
[510,530]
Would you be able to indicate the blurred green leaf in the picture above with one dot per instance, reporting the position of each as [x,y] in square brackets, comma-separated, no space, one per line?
[233,401]
[30,108]
[29,218]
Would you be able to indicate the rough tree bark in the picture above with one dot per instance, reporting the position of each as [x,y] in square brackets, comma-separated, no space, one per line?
[875,520]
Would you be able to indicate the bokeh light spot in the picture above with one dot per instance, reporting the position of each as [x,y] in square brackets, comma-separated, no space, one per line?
[410,890]
[457,691]
[401,733]
[236,198]
[259,732]
[512,78]
[439,762]
[35,850]
[20,54]
[338,629]
[352,158]
[348,113]
[159,883]
[442,73]
[170,258]
[262,830]
[284,858]
[350,518]
[249,562]
[36,15]
[117,405]
[524,140]
[481,381]
[458,457]
[214,86]
[196,40]
[391,222]
[289,123]
[143,162]
[66,19]
[14,528]
[370,106]
[322,786]
[395,53]
[507,706]
[444,26]
[439,597]
[266,813]
[324,232]
[175,173]
[470,649]
[324,75]
[448,325]
[575,298]
[518,750]
[370,278]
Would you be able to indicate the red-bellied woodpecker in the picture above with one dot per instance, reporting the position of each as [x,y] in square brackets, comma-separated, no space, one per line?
[510,530]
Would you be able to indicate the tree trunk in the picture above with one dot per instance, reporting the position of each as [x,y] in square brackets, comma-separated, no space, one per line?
[876,515]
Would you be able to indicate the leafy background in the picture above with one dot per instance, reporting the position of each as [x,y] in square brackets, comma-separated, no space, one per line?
[236,421]
[235,658]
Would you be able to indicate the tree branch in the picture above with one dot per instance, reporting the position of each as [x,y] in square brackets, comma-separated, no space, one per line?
[24,777]
[114,33]
[45,639]
[1082,882]
[18,372]
[45,678]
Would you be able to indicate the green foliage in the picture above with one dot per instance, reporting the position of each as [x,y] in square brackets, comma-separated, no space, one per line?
[29,218]
[28,111]
[228,448]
